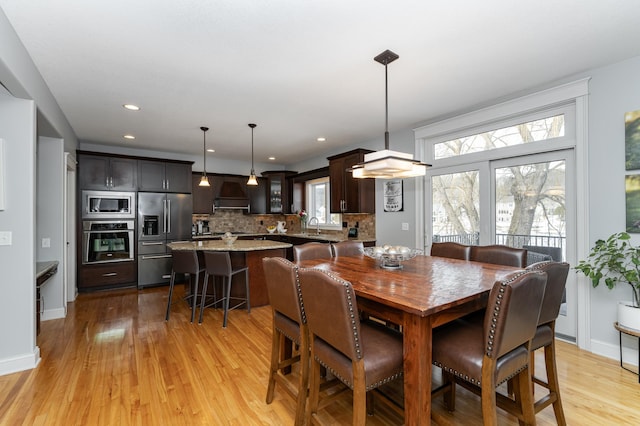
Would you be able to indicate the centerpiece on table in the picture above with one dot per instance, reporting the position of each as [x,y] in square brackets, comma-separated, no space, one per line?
[303,215]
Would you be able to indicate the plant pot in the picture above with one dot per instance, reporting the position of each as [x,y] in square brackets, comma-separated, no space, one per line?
[628,315]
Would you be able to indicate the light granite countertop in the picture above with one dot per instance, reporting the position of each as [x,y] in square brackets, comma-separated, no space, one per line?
[219,245]
[311,236]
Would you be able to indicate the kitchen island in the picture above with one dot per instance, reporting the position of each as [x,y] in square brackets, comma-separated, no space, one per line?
[243,253]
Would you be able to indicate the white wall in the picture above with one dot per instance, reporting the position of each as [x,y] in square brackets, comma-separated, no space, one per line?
[51,169]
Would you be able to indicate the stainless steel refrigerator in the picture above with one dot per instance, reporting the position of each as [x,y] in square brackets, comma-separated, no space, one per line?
[162,218]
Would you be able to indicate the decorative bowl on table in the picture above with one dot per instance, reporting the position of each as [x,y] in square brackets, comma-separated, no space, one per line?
[271,229]
[391,257]
[229,238]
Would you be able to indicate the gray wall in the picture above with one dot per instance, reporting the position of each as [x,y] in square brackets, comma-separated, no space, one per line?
[27,110]
[51,169]
[614,90]
[17,304]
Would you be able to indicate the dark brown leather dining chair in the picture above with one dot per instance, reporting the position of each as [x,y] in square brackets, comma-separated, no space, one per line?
[482,355]
[499,255]
[451,250]
[289,324]
[185,262]
[545,335]
[312,250]
[347,248]
[362,355]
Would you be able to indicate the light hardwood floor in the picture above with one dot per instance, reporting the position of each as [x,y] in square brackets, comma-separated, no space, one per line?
[115,361]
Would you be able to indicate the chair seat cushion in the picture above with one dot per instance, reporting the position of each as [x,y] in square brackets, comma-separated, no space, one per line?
[382,352]
[542,338]
[459,348]
[287,327]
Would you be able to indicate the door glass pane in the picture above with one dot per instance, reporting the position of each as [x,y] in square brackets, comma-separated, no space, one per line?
[456,207]
[530,207]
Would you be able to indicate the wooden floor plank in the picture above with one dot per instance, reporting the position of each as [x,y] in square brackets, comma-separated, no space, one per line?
[115,361]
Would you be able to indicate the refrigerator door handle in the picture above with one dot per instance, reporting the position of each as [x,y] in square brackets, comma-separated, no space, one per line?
[169,216]
[164,216]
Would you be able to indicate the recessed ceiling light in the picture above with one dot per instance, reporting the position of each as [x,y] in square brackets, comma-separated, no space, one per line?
[131,107]
[129,137]
[211,150]
[321,139]
[272,158]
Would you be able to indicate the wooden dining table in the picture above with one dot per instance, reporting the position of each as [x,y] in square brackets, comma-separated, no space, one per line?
[425,293]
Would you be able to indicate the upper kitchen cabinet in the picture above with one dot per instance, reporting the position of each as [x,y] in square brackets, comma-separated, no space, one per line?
[164,176]
[258,196]
[279,191]
[202,195]
[107,172]
[349,195]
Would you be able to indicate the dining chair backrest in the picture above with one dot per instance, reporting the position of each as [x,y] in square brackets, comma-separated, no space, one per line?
[218,263]
[557,273]
[512,312]
[499,255]
[312,250]
[451,250]
[185,262]
[347,248]
[338,326]
[281,277]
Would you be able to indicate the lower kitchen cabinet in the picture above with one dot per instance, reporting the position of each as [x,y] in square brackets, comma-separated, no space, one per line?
[107,275]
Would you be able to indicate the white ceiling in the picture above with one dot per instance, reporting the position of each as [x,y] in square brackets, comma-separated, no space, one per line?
[301,69]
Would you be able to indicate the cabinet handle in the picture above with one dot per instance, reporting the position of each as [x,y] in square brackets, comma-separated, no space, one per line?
[110,274]
[166,276]
[155,243]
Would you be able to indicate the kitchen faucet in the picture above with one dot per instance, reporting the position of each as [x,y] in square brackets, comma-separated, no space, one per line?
[317,224]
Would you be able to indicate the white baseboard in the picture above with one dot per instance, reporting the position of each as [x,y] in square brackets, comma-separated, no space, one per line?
[20,363]
[49,314]
[629,354]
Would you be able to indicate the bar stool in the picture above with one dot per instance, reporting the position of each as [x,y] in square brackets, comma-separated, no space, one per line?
[218,264]
[185,262]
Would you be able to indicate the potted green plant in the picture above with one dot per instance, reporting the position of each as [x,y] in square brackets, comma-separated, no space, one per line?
[615,260]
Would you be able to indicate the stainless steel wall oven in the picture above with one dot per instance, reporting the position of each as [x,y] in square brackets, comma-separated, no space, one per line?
[107,241]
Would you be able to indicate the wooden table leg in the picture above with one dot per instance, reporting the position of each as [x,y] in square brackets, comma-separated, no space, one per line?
[417,369]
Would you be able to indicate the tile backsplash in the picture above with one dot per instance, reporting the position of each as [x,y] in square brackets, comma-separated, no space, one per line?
[237,221]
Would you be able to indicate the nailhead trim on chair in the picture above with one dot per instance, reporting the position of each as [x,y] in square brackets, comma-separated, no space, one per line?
[539,266]
[496,311]
[350,385]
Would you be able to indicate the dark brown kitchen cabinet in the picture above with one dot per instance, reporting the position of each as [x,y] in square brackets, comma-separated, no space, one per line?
[279,191]
[202,195]
[349,195]
[107,275]
[108,173]
[163,176]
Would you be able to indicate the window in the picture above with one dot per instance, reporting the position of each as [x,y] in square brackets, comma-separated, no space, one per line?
[521,133]
[318,198]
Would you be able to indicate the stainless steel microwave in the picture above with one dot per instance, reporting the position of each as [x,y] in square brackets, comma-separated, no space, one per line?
[108,205]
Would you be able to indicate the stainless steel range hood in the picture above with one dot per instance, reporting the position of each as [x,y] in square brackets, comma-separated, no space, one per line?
[231,197]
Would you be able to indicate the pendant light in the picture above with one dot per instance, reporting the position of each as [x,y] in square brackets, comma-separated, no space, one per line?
[204,180]
[252,177]
[388,164]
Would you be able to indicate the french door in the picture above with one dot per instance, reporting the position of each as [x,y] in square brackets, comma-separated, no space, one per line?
[525,201]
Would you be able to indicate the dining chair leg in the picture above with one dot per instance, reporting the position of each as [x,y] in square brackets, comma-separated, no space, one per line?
[359,394]
[553,383]
[303,381]
[523,383]
[275,360]
[314,388]
[171,285]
